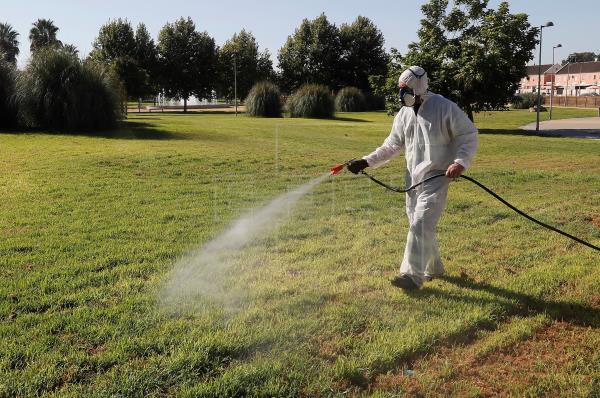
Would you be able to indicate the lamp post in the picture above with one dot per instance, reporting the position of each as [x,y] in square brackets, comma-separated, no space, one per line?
[235,82]
[597,82]
[568,78]
[580,82]
[571,60]
[539,96]
[553,77]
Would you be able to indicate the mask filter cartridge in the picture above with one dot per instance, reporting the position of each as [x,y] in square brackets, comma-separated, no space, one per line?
[407,97]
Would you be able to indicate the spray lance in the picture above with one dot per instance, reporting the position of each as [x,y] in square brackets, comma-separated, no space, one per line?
[340,167]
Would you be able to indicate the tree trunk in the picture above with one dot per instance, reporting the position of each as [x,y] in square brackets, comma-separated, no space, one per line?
[469,112]
[139,105]
[185,105]
[125,102]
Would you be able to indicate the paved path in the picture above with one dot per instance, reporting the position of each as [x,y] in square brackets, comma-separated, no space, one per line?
[585,127]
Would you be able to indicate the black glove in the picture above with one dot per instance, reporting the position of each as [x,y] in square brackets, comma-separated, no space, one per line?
[356,166]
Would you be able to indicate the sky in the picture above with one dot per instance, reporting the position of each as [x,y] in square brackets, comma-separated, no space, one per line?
[272,21]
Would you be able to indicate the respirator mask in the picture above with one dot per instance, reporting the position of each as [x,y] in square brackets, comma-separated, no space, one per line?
[407,94]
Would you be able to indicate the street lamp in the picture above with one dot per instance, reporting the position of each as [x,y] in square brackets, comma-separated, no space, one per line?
[571,59]
[235,82]
[539,96]
[553,77]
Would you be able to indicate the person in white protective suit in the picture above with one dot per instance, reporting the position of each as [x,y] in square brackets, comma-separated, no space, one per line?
[436,137]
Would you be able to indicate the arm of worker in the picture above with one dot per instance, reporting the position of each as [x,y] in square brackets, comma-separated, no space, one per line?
[464,134]
[391,147]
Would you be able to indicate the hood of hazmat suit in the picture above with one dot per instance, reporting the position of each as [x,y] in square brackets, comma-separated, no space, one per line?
[432,138]
[416,78]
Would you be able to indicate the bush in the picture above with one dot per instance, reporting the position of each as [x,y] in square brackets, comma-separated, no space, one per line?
[524,101]
[311,100]
[350,99]
[375,102]
[57,91]
[263,100]
[8,106]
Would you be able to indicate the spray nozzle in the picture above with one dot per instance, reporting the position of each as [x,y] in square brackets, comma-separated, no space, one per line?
[337,169]
[340,167]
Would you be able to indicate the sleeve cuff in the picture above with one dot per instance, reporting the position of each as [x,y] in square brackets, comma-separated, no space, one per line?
[462,162]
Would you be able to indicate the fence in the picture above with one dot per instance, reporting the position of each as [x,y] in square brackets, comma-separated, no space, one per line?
[576,102]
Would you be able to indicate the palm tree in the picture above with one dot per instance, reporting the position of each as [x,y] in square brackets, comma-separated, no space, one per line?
[9,44]
[43,34]
[70,49]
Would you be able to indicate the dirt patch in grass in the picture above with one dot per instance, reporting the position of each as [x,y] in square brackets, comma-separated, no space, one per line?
[553,353]
[594,219]
[11,232]
[329,349]
[96,349]
[595,301]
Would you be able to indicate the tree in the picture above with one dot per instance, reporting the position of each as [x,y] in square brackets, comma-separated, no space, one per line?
[9,43]
[8,105]
[43,34]
[587,56]
[188,61]
[473,54]
[312,55]
[363,53]
[134,79]
[386,86]
[71,49]
[146,53]
[146,56]
[115,40]
[251,64]
[127,55]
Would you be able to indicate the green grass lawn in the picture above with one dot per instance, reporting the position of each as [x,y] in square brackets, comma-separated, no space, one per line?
[91,225]
[503,121]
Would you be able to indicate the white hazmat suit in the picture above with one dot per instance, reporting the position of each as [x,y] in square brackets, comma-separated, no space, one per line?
[432,139]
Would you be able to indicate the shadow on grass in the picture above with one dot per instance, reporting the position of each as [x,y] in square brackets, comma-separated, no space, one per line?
[134,130]
[188,113]
[144,131]
[351,119]
[146,118]
[128,130]
[566,311]
[512,304]
[526,133]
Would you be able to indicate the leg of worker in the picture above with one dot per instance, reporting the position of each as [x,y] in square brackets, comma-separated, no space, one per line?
[424,210]
[436,266]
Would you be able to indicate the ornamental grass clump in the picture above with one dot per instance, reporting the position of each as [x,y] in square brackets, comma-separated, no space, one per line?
[57,91]
[311,101]
[350,99]
[263,100]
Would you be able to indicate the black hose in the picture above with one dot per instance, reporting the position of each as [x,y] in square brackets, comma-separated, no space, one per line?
[400,190]
[494,194]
